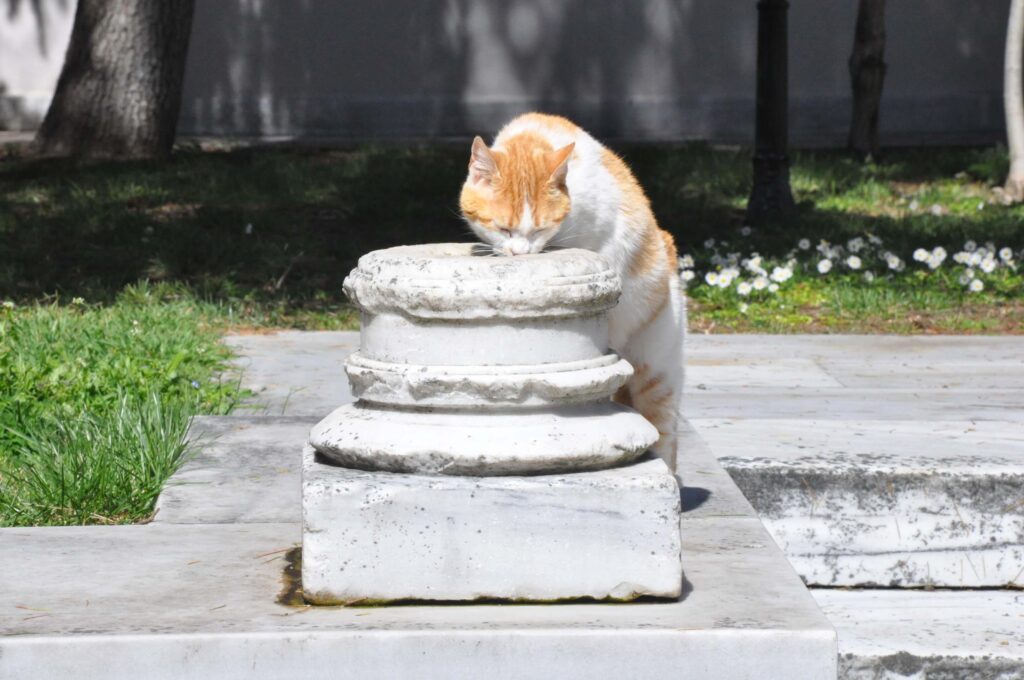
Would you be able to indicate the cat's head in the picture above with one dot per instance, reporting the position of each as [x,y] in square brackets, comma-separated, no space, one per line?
[515,199]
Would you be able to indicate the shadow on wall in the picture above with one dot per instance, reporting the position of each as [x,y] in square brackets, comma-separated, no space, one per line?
[317,67]
[419,68]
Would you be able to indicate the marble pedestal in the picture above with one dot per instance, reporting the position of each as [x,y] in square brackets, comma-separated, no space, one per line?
[484,458]
[378,536]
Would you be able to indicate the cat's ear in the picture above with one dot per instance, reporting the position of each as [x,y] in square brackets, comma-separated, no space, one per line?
[482,167]
[558,164]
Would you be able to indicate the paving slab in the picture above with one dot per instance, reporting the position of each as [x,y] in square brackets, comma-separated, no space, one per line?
[242,469]
[295,373]
[730,373]
[889,503]
[703,401]
[946,635]
[860,348]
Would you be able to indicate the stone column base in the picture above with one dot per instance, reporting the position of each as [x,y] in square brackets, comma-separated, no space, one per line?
[375,537]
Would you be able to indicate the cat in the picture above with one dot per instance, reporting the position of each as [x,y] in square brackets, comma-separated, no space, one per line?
[546,183]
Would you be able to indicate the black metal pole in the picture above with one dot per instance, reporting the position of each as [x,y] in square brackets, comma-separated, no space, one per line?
[771,196]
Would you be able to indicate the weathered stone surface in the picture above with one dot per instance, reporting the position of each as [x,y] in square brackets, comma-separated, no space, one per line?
[486,387]
[890,503]
[442,442]
[939,635]
[294,373]
[447,281]
[243,469]
[169,601]
[376,536]
[446,385]
[398,339]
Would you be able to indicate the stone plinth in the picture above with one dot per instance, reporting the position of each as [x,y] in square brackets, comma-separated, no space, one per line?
[373,536]
[484,457]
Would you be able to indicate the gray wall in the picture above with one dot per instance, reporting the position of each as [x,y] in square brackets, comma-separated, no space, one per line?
[641,69]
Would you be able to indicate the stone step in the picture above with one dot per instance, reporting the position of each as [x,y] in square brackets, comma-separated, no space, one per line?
[896,635]
[208,590]
[883,502]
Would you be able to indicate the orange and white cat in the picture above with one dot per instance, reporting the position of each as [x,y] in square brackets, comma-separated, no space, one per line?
[547,183]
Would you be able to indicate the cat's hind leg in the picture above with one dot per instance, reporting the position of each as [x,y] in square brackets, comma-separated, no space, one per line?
[656,352]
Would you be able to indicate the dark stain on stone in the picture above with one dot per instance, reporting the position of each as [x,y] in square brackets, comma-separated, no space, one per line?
[902,663]
[291,580]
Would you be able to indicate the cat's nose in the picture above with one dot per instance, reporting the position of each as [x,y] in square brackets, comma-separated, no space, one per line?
[519,246]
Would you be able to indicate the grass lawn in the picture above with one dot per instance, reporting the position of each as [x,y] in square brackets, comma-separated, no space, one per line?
[95,402]
[263,237]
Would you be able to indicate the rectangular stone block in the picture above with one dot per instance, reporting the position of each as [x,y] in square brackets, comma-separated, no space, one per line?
[379,536]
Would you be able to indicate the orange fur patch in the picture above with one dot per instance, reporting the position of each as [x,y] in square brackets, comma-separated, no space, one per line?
[524,177]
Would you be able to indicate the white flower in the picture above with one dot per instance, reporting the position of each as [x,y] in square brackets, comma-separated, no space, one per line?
[744,288]
[8,304]
[855,244]
[966,277]
[773,288]
[781,274]
[893,261]
[1005,254]
[727,276]
[869,277]
[981,205]
[824,266]
[686,262]
[874,240]
[753,264]
[853,262]
[921,255]
[937,257]
[744,307]
[974,259]
[710,243]
[963,257]
[803,244]
[760,283]
[937,210]
[970,246]
[745,230]
[687,275]
[711,278]
[77,301]
[914,205]
[976,286]
[988,265]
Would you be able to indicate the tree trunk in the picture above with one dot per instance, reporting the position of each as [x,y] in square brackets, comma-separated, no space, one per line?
[1013,100]
[119,93]
[867,75]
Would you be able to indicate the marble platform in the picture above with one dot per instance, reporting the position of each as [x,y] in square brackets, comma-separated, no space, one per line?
[153,601]
[872,460]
